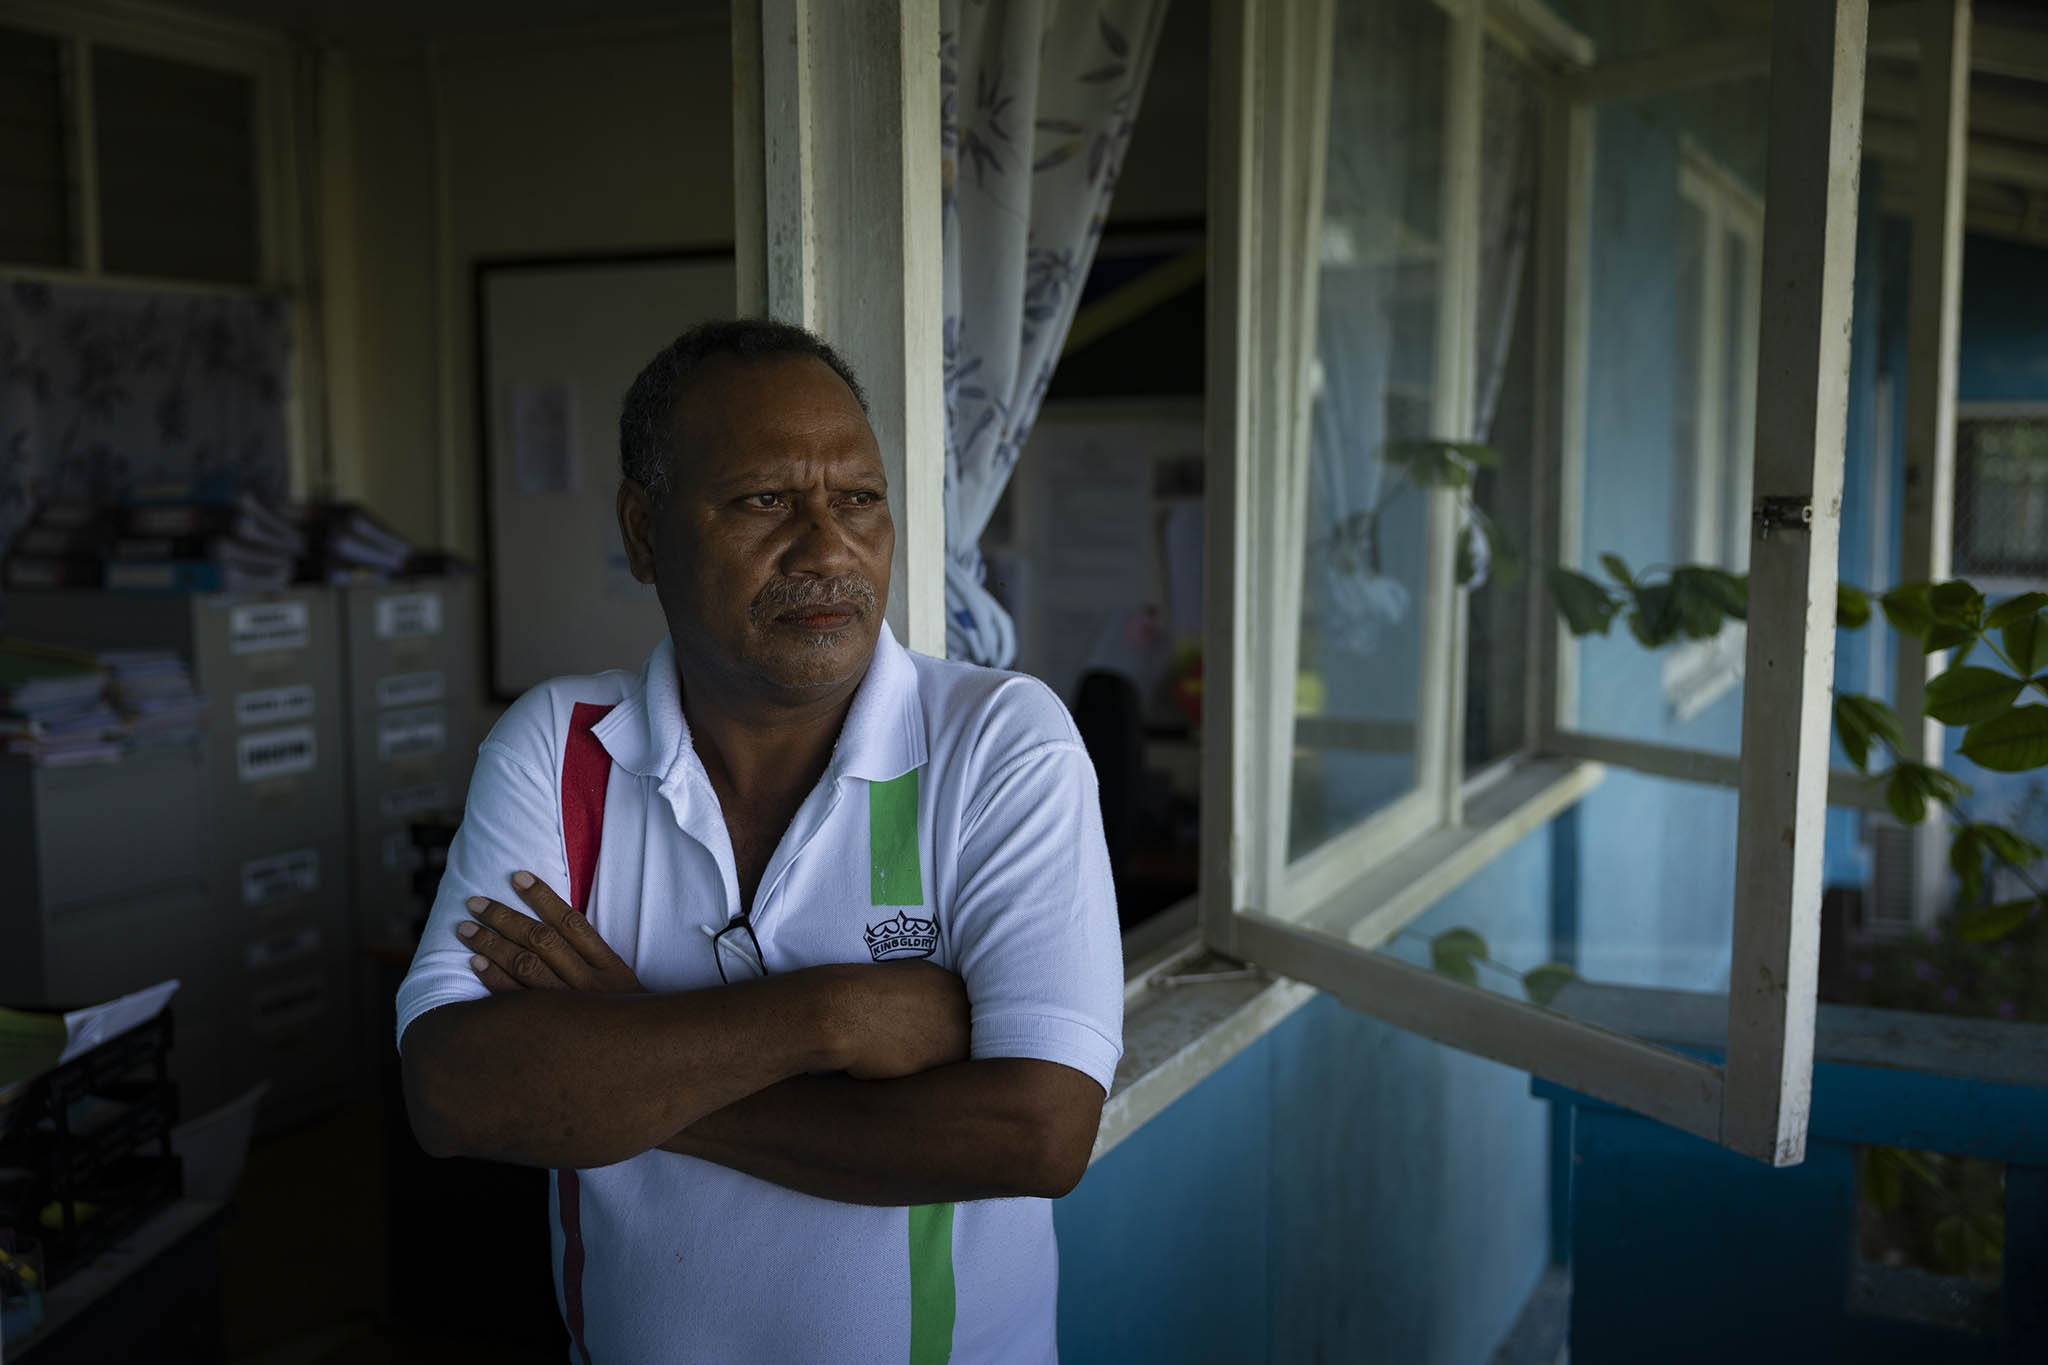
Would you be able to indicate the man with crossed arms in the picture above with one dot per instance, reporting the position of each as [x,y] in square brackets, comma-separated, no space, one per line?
[845,998]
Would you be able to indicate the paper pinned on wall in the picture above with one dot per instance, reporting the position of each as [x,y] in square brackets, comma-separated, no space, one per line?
[544,437]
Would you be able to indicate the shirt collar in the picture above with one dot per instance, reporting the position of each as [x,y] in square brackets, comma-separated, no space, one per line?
[883,736]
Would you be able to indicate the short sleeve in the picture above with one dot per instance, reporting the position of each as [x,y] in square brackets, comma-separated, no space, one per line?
[512,821]
[1035,926]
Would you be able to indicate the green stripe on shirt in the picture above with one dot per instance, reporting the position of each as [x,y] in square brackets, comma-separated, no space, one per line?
[931,1284]
[894,874]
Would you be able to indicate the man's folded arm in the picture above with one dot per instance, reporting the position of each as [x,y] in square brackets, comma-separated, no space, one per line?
[991,1129]
[580,1079]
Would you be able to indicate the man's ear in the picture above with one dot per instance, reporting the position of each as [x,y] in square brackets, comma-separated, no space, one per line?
[636,528]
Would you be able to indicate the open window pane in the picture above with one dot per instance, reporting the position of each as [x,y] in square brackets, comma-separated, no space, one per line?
[1671,360]
[1366,543]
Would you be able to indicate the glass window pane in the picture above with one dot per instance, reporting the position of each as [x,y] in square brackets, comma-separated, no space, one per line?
[35,180]
[1669,172]
[1738,381]
[1497,635]
[177,169]
[1366,531]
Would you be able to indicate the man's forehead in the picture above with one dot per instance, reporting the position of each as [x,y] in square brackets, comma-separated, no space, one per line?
[773,409]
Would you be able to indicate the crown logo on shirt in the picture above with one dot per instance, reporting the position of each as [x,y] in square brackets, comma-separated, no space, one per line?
[901,936]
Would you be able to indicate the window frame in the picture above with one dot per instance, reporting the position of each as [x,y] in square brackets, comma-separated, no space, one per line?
[2034,410]
[1262,290]
[266,58]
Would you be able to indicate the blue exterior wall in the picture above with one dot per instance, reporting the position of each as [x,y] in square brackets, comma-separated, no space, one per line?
[1341,1191]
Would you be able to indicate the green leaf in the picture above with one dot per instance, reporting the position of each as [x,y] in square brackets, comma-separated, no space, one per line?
[1965,695]
[1948,635]
[1860,719]
[1907,608]
[2026,642]
[1905,798]
[1655,621]
[1852,607]
[1542,983]
[1966,860]
[1993,922]
[2012,743]
[1617,569]
[1730,591]
[2008,847]
[1702,598]
[1451,953]
[2015,609]
[1588,608]
[1957,603]
[1884,1180]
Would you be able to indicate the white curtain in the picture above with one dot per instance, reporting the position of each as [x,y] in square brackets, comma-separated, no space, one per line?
[1039,98]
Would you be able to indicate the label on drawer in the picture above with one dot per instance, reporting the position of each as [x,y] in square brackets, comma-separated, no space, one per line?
[275,753]
[410,689]
[261,626]
[400,802]
[269,705]
[280,875]
[405,734]
[282,949]
[407,614]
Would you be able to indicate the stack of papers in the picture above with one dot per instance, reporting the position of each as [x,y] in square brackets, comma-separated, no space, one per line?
[53,706]
[153,690]
[34,1042]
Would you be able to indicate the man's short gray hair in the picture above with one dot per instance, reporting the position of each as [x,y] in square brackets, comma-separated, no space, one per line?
[647,427]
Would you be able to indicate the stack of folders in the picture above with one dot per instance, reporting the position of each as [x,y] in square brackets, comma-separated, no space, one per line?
[347,543]
[54,708]
[152,689]
[193,544]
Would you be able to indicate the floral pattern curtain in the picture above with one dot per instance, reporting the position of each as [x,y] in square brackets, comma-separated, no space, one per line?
[104,389]
[1038,101]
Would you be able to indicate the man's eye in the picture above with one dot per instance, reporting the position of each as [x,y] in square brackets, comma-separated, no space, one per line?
[763,501]
[863,498]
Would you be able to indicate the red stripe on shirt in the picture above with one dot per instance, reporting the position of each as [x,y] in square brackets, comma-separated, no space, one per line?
[586,770]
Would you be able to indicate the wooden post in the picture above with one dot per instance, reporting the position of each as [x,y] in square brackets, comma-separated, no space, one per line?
[1816,123]
[1933,320]
[847,238]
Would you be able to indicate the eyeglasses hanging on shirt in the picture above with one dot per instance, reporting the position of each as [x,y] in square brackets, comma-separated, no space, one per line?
[736,950]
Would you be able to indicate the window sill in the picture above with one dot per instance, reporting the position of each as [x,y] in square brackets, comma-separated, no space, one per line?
[1187,1011]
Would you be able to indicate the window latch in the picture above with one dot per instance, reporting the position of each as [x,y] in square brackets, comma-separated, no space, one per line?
[1780,511]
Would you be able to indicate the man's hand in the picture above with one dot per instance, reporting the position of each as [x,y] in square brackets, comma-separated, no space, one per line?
[558,951]
[903,1018]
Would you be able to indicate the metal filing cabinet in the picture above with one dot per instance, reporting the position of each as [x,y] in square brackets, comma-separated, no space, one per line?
[410,652]
[276,861]
[108,894]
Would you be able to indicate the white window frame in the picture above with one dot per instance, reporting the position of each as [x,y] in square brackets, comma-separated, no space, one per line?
[1263,294]
[266,59]
[1697,673]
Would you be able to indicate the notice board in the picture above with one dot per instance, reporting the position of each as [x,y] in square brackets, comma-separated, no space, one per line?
[559,340]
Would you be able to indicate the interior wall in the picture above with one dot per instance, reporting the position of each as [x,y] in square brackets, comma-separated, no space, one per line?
[593,144]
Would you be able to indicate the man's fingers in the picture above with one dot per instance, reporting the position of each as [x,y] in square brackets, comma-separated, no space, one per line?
[570,923]
[526,952]
[493,976]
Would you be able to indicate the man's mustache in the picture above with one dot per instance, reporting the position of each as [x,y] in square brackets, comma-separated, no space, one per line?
[780,596]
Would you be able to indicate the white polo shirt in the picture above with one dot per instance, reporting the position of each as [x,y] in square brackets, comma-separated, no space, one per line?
[684,1260]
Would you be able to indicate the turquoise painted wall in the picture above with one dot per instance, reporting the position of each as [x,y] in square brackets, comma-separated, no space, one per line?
[1341,1191]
